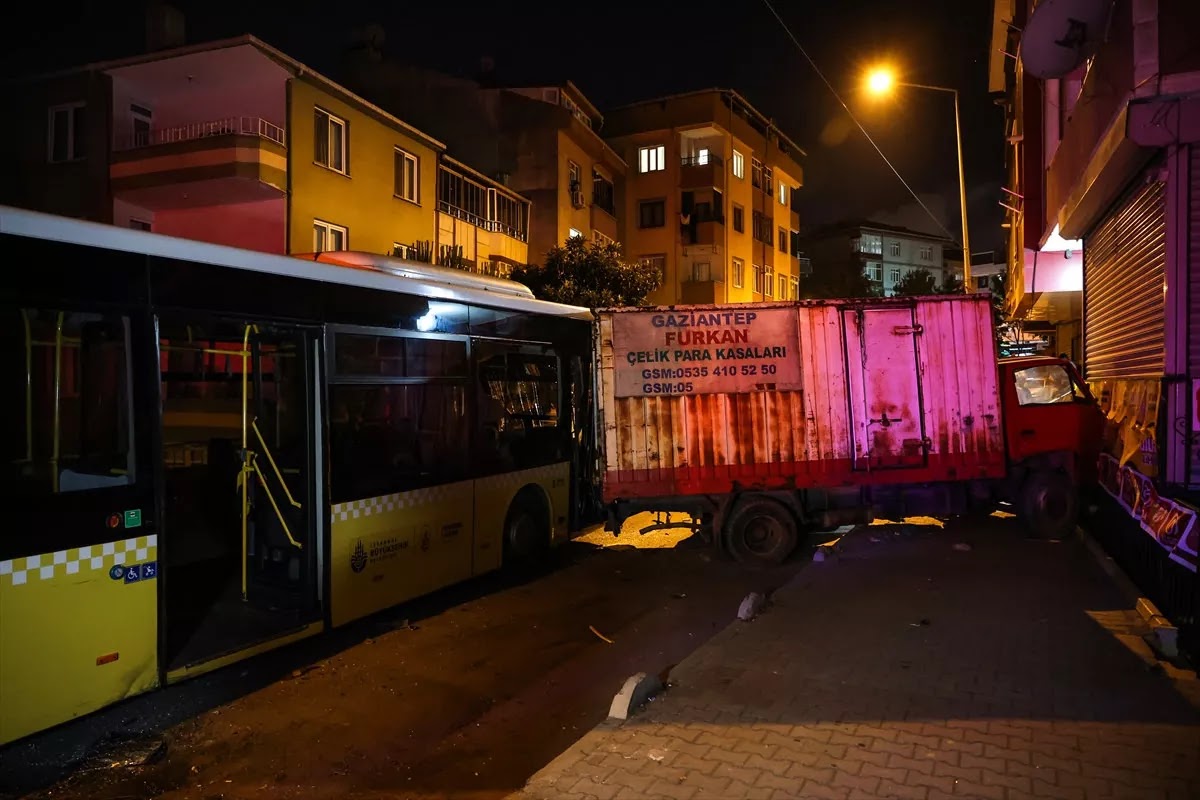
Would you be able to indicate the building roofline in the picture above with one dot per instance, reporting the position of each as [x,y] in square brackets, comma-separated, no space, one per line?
[476,174]
[870,225]
[298,68]
[733,93]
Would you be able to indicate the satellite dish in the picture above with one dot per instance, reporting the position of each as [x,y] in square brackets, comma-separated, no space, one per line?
[1062,34]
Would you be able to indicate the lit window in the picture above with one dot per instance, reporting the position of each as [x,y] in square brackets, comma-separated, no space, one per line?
[574,233]
[739,165]
[874,271]
[329,141]
[408,177]
[702,156]
[328,237]
[739,273]
[652,159]
[783,194]
[68,131]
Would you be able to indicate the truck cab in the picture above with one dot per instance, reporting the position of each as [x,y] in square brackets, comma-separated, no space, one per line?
[1053,432]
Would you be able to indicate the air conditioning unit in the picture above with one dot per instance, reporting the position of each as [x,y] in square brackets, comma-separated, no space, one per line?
[577,199]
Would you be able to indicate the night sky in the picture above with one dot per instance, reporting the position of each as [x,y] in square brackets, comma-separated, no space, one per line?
[620,51]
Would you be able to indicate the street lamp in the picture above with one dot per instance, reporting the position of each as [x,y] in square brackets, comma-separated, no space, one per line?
[881,81]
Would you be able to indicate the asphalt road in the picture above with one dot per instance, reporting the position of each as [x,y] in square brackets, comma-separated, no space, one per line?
[462,695]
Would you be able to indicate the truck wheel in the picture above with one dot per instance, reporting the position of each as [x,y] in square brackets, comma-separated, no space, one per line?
[1049,505]
[760,532]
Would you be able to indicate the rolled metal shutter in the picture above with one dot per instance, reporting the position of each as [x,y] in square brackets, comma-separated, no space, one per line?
[1194,261]
[1124,269]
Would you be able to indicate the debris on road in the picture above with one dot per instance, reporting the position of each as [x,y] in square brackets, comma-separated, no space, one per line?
[751,606]
[921,623]
[601,636]
[962,547]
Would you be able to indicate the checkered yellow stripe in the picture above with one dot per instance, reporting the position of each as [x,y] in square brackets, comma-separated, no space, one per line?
[82,560]
[355,509]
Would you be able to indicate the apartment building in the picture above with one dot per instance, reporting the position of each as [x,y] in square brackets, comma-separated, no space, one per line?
[710,198]
[884,253]
[236,143]
[541,141]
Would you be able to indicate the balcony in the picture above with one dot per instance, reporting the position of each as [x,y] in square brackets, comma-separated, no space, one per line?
[700,171]
[701,292]
[212,162]
[474,218]
[710,230]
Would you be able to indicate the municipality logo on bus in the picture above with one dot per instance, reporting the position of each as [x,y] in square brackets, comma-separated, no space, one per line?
[358,558]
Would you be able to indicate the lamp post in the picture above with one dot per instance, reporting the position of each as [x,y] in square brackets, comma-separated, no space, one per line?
[881,82]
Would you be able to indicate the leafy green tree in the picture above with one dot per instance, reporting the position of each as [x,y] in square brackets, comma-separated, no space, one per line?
[919,281]
[952,285]
[590,274]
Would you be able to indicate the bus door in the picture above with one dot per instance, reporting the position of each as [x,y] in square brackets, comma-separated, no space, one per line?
[239,422]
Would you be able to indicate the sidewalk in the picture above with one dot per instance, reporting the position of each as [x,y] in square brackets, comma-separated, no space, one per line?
[907,668]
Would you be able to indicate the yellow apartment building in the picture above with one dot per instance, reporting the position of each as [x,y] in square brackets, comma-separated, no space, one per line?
[710,198]
[232,142]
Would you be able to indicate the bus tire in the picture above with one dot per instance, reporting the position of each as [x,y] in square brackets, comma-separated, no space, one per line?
[1049,504]
[526,529]
[761,532]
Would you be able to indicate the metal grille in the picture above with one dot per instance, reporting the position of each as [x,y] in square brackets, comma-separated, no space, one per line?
[1124,273]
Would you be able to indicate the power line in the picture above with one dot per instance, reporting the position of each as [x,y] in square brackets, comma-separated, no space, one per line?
[854,119]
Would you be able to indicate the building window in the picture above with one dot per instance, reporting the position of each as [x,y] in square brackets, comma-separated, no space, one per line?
[893,276]
[783,287]
[739,218]
[874,271]
[758,279]
[702,157]
[739,273]
[652,214]
[756,173]
[139,224]
[739,165]
[652,159]
[794,237]
[657,264]
[764,229]
[867,243]
[983,282]
[894,249]
[330,141]
[927,252]
[141,121]
[604,195]
[328,237]
[408,177]
[782,240]
[767,183]
[574,233]
[768,281]
[574,177]
[795,281]
[702,272]
[783,194]
[68,131]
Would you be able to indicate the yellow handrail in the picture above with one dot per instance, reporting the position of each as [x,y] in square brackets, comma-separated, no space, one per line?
[245,474]
[278,514]
[271,460]
[58,337]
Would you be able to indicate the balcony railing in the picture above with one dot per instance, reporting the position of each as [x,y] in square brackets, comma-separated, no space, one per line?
[242,126]
[459,212]
[701,160]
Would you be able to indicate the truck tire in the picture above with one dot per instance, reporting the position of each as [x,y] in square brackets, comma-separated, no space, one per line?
[1049,504]
[760,532]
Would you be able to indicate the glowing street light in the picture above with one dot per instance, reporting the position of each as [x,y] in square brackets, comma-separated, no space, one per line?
[881,81]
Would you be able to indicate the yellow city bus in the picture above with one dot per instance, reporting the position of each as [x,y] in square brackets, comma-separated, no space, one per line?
[210,452]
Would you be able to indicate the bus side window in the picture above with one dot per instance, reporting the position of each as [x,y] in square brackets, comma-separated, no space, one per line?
[69,415]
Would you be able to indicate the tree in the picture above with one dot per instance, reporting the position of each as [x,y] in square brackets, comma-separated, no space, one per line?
[919,281]
[952,285]
[589,274]
[830,283]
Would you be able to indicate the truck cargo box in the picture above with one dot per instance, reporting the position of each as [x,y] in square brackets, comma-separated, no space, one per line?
[774,396]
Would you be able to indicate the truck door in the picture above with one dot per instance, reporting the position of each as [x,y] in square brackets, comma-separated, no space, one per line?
[887,424]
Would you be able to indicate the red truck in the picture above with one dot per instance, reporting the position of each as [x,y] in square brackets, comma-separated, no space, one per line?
[763,420]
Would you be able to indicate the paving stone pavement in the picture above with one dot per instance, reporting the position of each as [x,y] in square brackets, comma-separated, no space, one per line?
[906,668]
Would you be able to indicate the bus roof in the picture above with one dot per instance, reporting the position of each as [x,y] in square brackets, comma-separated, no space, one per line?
[381,273]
